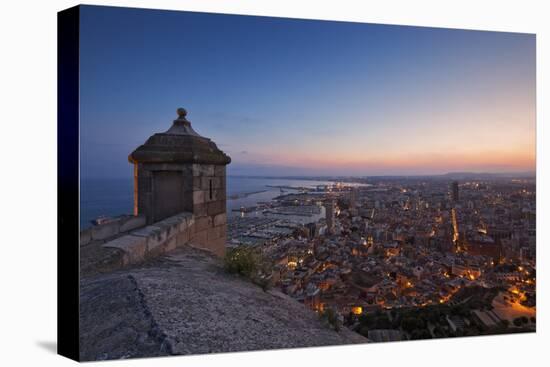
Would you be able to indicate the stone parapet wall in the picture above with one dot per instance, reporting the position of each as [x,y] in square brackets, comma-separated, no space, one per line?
[147,242]
[155,240]
[120,225]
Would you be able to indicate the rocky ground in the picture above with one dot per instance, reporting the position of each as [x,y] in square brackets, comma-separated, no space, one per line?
[95,259]
[184,303]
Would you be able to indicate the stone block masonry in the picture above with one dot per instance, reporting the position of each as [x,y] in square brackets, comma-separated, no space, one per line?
[179,199]
[209,207]
[206,232]
[181,171]
[155,240]
[133,248]
[119,225]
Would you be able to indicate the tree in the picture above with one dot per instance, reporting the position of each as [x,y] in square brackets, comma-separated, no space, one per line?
[411,323]
[249,262]
[383,322]
[367,320]
[417,334]
[331,318]
[432,317]
[241,260]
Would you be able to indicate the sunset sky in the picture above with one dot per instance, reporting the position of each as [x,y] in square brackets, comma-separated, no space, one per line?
[299,97]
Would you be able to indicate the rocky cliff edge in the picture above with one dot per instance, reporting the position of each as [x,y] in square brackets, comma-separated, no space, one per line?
[184,303]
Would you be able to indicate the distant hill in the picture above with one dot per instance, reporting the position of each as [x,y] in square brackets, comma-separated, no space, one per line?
[447,176]
[487,176]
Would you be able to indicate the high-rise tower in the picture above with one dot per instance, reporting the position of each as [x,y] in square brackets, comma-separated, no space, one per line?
[454,191]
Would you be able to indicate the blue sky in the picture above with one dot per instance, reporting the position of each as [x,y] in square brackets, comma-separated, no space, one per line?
[296,97]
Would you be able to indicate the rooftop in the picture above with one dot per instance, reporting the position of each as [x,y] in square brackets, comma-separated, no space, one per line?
[179,144]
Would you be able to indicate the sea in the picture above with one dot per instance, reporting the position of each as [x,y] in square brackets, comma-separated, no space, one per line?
[114,196]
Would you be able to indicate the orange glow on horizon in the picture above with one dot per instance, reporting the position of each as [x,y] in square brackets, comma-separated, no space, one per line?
[506,161]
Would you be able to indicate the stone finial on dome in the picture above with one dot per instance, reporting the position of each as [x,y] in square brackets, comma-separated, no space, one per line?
[182,112]
[181,125]
[179,144]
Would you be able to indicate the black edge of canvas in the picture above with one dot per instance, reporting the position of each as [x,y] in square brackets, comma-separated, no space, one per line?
[68,24]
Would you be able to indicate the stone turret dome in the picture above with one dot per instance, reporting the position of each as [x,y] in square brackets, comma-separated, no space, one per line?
[179,144]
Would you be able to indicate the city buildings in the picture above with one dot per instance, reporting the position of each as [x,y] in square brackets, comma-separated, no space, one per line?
[391,248]
[454,191]
[329,212]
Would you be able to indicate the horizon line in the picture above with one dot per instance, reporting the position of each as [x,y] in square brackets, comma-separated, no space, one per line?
[529,174]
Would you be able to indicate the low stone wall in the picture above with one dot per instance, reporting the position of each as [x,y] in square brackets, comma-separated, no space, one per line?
[137,242]
[102,232]
[156,239]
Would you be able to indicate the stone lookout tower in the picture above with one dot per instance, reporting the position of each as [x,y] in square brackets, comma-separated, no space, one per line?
[182,171]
